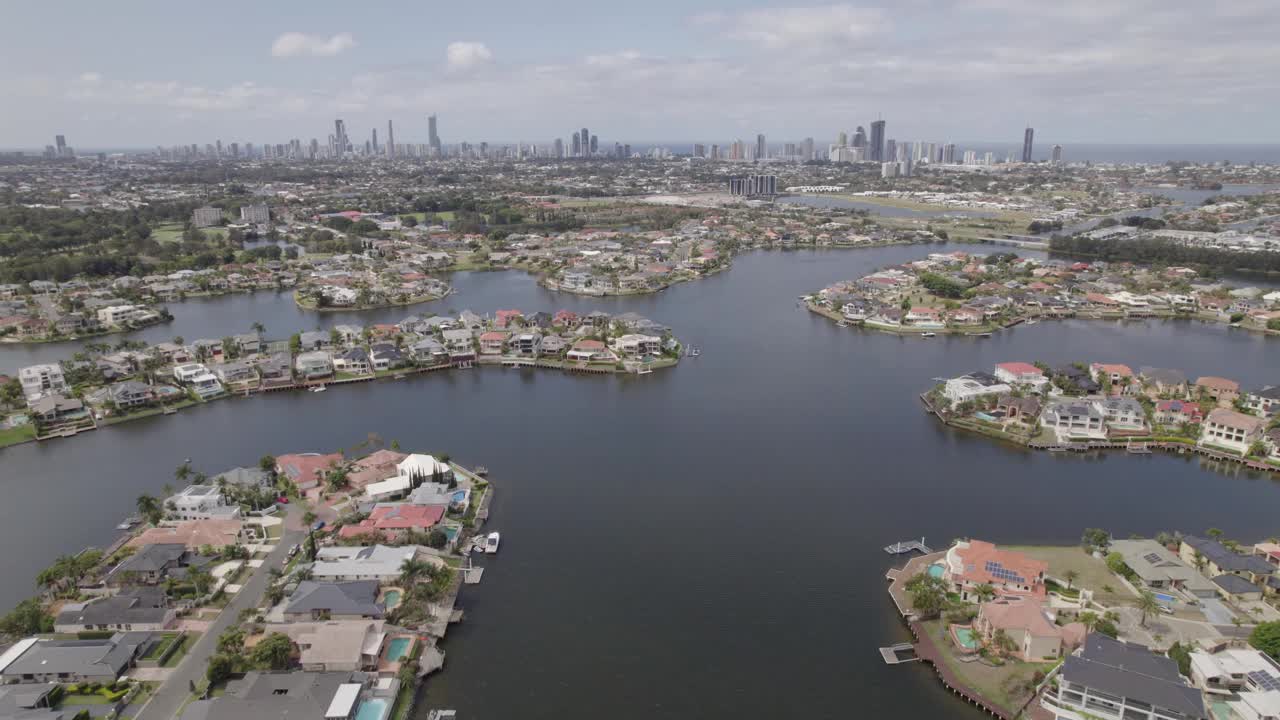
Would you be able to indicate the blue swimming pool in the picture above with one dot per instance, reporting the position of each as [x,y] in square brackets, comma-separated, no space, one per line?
[372,709]
[398,648]
[936,570]
[1166,599]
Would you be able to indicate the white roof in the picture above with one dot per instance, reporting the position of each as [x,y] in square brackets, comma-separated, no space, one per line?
[423,464]
[399,483]
[1264,704]
[344,701]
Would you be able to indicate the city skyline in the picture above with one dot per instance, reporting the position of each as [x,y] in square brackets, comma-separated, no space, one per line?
[810,68]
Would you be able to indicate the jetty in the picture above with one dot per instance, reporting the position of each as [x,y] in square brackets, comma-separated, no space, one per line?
[900,653]
[908,546]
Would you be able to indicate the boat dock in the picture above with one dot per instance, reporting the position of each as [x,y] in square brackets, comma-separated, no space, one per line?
[908,546]
[900,653]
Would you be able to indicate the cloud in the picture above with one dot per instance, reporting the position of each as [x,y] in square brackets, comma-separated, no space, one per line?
[467,55]
[803,27]
[90,78]
[294,44]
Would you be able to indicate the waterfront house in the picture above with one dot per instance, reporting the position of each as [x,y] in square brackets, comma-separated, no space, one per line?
[1020,373]
[1122,414]
[376,562]
[492,342]
[271,695]
[1163,382]
[1264,401]
[973,386]
[552,345]
[1230,430]
[236,371]
[1030,628]
[306,470]
[200,502]
[589,351]
[354,361]
[970,563]
[1025,410]
[1177,412]
[1215,559]
[275,369]
[150,564]
[205,385]
[36,660]
[1104,373]
[336,645]
[638,344]
[1074,420]
[391,521]
[428,351]
[138,609]
[375,467]
[1161,570]
[244,477]
[459,339]
[42,380]
[314,340]
[1112,680]
[126,394]
[314,365]
[193,534]
[1221,389]
[317,601]
[386,356]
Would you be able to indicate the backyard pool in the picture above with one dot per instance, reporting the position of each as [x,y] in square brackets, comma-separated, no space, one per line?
[398,648]
[936,570]
[1166,599]
[372,709]
[964,637]
[391,599]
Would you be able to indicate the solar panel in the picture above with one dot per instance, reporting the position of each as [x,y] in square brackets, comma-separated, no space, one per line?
[1151,558]
[1264,680]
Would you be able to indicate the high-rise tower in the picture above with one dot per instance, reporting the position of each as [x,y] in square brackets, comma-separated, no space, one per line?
[875,147]
[1028,137]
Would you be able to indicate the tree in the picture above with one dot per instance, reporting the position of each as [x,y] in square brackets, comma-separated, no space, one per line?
[274,652]
[437,539]
[1147,604]
[1266,637]
[1181,654]
[149,508]
[182,472]
[1070,576]
[985,592]
[928,594]
[412,570]
[231,642]
[1095,538]
[1002,641]
[267,463]
[1214,533]
[308,517]
[27,618]
[220,668]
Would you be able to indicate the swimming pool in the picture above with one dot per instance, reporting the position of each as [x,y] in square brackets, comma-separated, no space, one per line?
[372,709]
[964,635]
[1164,598]
[398,648]
[936,570]
[391,599]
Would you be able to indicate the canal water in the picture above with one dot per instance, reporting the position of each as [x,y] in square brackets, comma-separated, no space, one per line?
[700,542]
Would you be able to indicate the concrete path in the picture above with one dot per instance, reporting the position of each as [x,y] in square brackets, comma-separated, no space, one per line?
[171,696]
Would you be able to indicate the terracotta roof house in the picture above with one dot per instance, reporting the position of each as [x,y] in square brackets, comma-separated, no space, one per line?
[192,533]
[970,563]
[1026,622]
[374,468]
[391,520]
[306,470]
[1231,430]
[1220,389]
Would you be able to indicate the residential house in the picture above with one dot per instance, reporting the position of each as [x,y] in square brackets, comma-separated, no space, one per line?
[1215,560]
[1245,680]
[314,365]
[354,361]
[390,521]
[970,387]
[375,467]
[492,343]
[1221,389]
[37,660]
[307,470]
[375,562]
[236,371]
[1164,382]
[297,695]
[1264,401]
[386,356]
[589,351]
[1162,570]
[970,563]
[1020,373]
[137,609]
[1074,420]
[336,645]
[244,477]
[200,502]
[42,380]
[1177,412]
[1029,627]
[322,601]
[635,344]
[1231,430]
[314,340]
[1103,373]
[150,564]
[194,534]
[526,344]
[1122,414]
[1025,410]
[1112,680]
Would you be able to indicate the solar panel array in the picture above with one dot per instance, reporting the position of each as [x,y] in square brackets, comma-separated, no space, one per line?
[1264,680]
[999,571]
[1152,558]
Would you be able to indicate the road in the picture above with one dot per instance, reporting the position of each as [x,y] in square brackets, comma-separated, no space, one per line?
[174,692]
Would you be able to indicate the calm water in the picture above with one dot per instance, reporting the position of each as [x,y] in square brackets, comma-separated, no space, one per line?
[823,201]
[703,542]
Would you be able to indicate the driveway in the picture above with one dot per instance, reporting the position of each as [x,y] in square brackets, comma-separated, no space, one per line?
[1216,612]
[177,688]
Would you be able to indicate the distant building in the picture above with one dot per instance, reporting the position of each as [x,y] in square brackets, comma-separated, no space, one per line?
[875,152]
[754,185]
[1028,139]
[256,214]
[760,151]
[206,216]
[1055,156]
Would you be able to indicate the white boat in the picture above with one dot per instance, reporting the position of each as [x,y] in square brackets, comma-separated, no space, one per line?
[318,388]
[491,543]
[928,334]
[1032,322]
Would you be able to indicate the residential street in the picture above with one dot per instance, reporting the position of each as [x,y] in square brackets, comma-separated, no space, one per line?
[170,697]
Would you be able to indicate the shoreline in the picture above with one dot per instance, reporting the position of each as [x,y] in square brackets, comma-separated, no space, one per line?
[382,306]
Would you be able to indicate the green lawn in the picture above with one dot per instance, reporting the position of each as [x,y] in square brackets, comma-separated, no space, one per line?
[172,232]
[1093,573]
[187,641]
[158,649]
[1005,685]
[13,436]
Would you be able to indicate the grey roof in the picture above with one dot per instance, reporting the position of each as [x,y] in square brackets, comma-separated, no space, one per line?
[78,658]
[152,558]
[23,702]
[141,606]
[1132,671]
[244,477]
[1219,555]
[1271,392]
[1235,584]
[1163,376]
[359,597]
[271,696]
[1153,562]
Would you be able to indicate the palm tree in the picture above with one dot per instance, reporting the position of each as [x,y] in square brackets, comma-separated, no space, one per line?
[1002,641]
[1147,604]
[258,328]
[1089,620]
[411,570]
[984,592]
[182,472]
[1070,576]
[1199,560]
[149,508]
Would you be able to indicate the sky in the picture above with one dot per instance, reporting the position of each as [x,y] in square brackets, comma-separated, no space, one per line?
[141,73]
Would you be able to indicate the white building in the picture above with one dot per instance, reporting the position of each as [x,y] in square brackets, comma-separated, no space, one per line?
[200,502]
[206,385]
[257,214]
[186,373]
[40,380]
[1231,430]
[121,314]
[973,386]
[376,562]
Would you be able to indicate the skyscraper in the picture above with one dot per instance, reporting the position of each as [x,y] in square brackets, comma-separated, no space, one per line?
[842,139]
[584,142]
[558,148]
[340,143]
[891,149]
[433,138]
[859,137]
[594,143]
[808,149]
[374,149]
[1056,155]
[391,142]
[760,154]
[577,145]
[1027,138]
[949,153]
[876,143]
